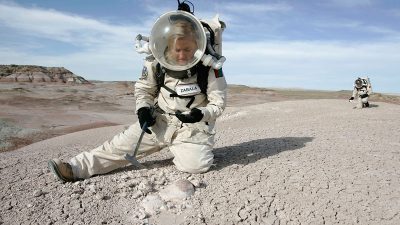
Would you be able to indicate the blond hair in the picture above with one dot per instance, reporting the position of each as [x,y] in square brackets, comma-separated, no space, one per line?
[181,29]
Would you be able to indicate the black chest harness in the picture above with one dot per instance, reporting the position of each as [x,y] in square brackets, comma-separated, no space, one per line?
[362,88]
[202,80]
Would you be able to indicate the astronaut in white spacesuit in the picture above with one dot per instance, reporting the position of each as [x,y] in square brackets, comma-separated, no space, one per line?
[178,114]
[362,90]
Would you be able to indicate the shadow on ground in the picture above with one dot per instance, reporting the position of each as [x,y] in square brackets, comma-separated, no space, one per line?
[370,106]
[243,153]
[252,151]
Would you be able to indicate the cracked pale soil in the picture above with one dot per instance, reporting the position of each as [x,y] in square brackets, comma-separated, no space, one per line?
[290,162]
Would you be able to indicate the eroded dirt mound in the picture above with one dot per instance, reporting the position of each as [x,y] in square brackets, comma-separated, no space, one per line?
[31,73]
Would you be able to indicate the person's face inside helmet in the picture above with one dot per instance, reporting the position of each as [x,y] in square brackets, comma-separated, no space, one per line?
[182,44]
[182,50]
[358,83]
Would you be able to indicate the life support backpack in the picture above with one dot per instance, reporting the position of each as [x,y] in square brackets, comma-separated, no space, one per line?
[214,29]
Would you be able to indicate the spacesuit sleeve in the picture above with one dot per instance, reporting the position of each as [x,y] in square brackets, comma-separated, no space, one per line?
[354,92]
[146,87]
[216,94]
[369,91]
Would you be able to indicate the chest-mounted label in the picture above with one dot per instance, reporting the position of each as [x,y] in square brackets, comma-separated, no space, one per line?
[188,89]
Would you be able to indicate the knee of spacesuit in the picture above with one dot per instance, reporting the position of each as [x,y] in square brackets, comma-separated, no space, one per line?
[194,166]
[364,100]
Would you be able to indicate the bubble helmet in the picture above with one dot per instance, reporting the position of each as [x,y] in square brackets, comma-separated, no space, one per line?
[358,83]
[177,40]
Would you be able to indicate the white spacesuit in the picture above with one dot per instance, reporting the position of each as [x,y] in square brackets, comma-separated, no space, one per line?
[362,90]
[179,115]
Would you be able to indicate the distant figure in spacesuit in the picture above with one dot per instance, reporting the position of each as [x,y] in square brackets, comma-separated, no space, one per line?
[362,89]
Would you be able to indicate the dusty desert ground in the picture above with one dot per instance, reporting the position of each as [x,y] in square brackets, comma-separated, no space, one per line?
[282,157]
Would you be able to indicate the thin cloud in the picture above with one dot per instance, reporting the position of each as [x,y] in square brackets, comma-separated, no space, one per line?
[394,34]
[351,3]
[311,52]
[394,12]
[256,8]
[383,32]
[55,25]
[322,65]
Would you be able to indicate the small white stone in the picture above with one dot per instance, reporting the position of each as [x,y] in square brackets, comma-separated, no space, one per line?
[152,204]
[137,194]
[100,196]
[145,187]
[178,191]
[196,183]
[37,193]
[91,188]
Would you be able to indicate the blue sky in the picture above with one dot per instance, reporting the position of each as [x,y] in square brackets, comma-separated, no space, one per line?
[309,44]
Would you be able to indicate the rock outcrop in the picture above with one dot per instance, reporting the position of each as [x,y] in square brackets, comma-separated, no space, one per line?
[31,73]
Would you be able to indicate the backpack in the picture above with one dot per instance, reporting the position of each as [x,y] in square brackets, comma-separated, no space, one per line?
[214,27]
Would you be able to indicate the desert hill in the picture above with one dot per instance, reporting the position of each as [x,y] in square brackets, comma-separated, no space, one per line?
[32,73]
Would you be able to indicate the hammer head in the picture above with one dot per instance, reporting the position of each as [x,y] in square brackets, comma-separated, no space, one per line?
[133,161]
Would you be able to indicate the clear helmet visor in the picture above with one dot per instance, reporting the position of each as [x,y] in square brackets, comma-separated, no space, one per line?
[358,83]
[178,40]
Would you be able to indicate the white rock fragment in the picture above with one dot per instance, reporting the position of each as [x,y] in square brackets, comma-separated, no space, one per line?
[86,182]
[162,181]
[133,183]
[152,204]
[137,194]
[178,191]
[145,187]
[101,196]
[78,191]
[124,177]
[37,193]
[196,183]
[76,196]
[91,188]
[140,214]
